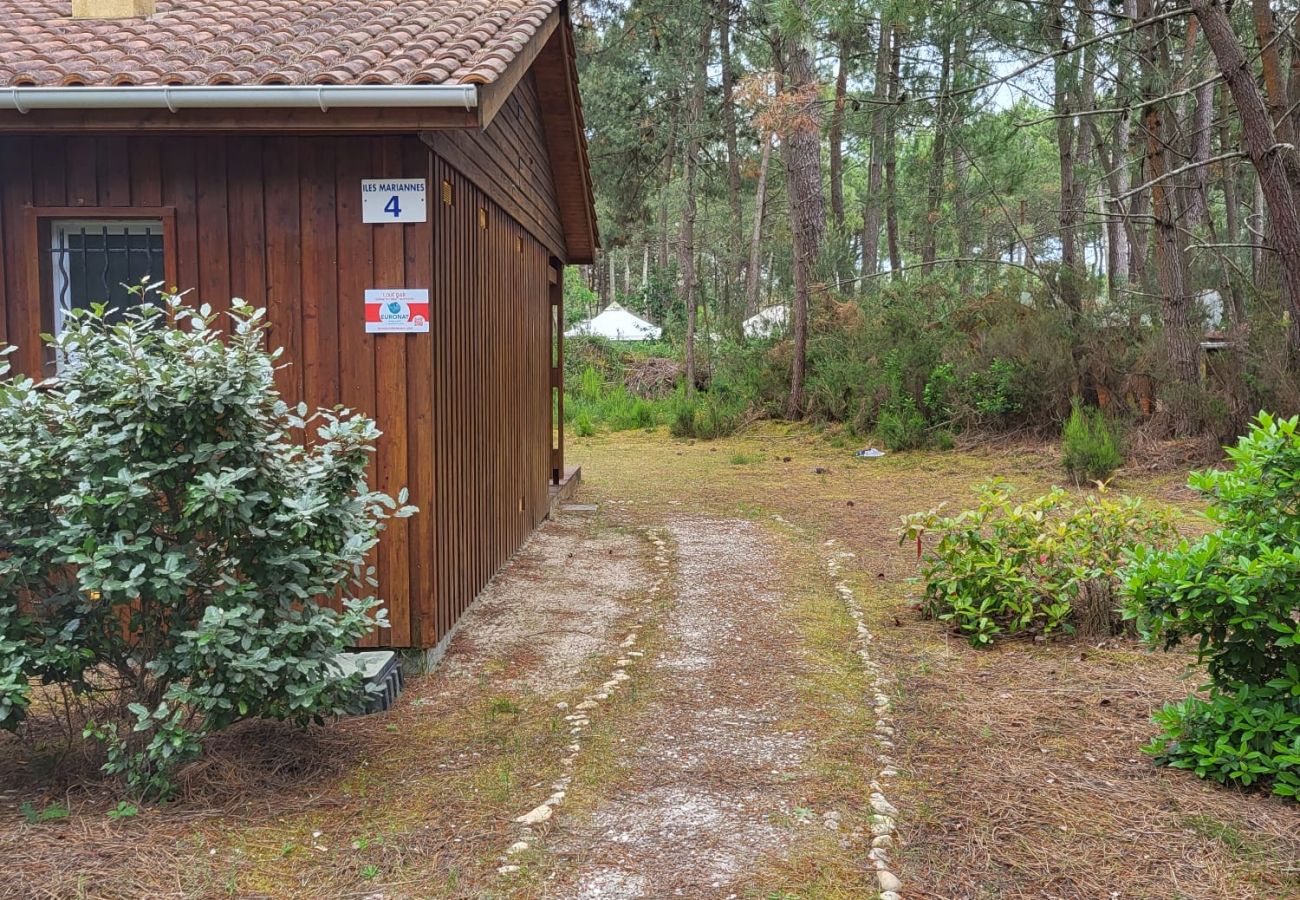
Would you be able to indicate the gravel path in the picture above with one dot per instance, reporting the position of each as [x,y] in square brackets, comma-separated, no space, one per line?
[712,790]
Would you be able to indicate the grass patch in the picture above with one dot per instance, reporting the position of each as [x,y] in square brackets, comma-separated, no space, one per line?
[1227,834]
[436,807]
[835,714]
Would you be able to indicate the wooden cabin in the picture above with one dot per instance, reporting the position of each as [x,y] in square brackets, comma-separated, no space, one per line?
[400,183]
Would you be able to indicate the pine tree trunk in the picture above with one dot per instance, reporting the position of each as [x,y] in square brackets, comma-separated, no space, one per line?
[602,278]
[1086,103]
[735,231]
[754,269]
[1202,138]
[1117,224]
[962,219]
[1063,98]
[891,152]
[669,159]
[938,162]
[686,248]
[872,203]
[835,136]
[1181,345]
[1259,254]
[1138,206]
[1268,158]
[1270,58]
[1232,214]
[801,153]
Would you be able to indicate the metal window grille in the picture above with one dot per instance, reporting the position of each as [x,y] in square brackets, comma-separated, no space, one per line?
[96,261]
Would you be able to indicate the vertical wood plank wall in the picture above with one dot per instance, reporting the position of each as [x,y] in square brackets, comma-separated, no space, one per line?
[509,160]
[465,410]
[491,400]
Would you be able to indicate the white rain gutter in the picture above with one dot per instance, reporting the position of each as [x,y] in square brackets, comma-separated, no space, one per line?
[237,96]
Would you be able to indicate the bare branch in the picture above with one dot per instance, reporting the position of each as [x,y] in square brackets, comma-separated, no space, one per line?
[982,260]
[1047,57]
[1235,154]
[1117,110]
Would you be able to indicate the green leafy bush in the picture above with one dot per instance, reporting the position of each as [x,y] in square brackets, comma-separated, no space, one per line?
[593,400]
[1235,594]
[165,537]
[984,362]
[901,426]
[717,416]
[941,393]
[1047,564]
[1089,448]
[979,397]
[580,301]
[993,393]
[756,374]
[590,352]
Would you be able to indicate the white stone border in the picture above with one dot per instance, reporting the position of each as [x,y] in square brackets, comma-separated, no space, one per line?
[884,813]
[579,720]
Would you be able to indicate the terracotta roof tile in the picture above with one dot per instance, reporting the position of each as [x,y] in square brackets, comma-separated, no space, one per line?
[269,41]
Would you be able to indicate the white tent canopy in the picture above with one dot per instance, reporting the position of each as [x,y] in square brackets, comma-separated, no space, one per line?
[765,323]
[616,324]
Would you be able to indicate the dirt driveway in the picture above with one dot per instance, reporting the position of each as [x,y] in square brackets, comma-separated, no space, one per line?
[720,782]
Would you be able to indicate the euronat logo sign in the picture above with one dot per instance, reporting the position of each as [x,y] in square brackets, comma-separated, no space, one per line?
[397,311]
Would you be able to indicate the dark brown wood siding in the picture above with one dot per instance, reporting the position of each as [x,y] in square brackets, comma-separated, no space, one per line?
[509,161]
[464,410]
[491,402]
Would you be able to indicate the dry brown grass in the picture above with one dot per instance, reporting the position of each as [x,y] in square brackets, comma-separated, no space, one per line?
[1022,773]
[416,802]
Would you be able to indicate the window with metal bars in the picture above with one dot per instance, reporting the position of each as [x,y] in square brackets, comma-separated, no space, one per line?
[97,260]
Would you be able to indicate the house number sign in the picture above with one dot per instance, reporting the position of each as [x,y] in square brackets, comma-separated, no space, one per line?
[393,200]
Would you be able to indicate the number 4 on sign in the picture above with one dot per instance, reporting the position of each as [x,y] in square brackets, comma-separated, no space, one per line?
[392,200]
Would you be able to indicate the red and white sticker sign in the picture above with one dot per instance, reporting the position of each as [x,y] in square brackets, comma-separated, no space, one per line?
[397,311]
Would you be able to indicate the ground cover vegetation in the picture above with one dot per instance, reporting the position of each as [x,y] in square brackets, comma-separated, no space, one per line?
[1061,219]
[1060,562]
[1052,794]
[170,547]
[973,217]
[1046,564]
